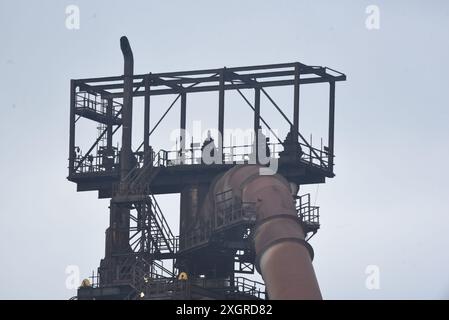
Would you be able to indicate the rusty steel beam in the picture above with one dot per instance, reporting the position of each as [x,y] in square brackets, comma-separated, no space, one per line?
[210,88]
[175,79]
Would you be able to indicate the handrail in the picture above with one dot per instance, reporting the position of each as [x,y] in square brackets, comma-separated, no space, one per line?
[308,214]
[171,158]
[232,154]
[252,287]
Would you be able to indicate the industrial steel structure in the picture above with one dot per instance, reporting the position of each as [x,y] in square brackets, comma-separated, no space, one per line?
[220,237]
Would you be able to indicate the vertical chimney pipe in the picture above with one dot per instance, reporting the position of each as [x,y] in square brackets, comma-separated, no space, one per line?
[127,109]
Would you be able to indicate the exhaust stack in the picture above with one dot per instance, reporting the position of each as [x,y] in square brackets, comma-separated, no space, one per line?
[127,113]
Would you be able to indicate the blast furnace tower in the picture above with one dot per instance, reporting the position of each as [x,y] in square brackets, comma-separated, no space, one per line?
[228,227]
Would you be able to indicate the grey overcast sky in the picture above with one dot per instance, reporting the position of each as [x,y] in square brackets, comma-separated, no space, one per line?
[387,206]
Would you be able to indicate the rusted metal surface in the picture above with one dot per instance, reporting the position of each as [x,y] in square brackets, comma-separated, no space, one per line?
[283,257]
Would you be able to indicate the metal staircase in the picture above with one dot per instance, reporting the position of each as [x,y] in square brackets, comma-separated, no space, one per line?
[150,236]
[151,232]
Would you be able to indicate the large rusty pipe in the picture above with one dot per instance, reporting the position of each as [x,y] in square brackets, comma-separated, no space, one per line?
[127,109]
[117,235]
[283,257]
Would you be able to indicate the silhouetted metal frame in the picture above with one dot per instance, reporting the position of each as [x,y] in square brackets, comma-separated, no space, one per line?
[209,80]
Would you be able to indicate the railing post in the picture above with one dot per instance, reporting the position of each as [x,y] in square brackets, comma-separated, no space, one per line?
[182,137]
[109,115]
[146,129]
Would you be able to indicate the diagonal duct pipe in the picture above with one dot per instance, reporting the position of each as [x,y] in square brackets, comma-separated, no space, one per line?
[283,257]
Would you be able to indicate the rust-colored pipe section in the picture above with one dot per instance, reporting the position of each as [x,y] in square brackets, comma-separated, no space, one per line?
[283,258]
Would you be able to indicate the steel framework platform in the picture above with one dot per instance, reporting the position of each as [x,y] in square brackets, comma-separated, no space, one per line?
[139,238]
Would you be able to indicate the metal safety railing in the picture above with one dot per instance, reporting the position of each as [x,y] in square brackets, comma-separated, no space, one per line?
[95,103]
[230,210]
[250,287]
[308,214]
[242,154]
[99,163]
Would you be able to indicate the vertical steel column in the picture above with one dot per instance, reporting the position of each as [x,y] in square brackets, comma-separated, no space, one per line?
[296,103]
[146,125]
[72,127]
[331,124]
[221,100]
[127,114]
[109,114]
[182,138]
[256,122]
